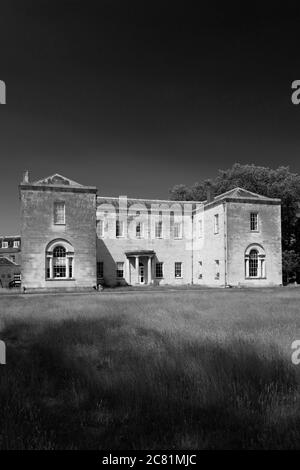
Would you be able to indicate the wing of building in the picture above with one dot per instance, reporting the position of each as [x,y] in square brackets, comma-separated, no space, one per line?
[72,238]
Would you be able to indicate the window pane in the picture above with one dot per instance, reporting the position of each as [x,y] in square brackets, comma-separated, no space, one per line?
[177,230]
[178,269]
[59,262]
[253,221]
[120,269]
[119,228]
[253,263]
[59,212]
[159,270]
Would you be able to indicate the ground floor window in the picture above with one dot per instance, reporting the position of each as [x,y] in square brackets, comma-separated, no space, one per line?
[59,260]
[159,270]
[217,269]
[255,262]
[178,269]
[120,269]
[100,269]
[200,270]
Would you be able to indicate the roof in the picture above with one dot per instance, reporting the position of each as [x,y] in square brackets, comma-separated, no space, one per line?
[241,193]
[55,181]
[58,180]
[4,261]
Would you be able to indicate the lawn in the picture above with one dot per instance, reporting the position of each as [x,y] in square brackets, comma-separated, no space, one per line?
[199,369]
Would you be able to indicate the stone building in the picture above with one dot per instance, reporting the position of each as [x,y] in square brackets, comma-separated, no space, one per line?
[73,238]
[10,259]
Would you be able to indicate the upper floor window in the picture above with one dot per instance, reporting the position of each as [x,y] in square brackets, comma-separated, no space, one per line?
[177,230]
[254,221]
[16,244]
[100,228]
[4,244]
[119,228]
[158,229]
[200,228]
[216,223]
[139,230]
[59,213]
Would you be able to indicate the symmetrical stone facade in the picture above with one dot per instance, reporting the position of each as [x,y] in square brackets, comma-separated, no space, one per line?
[72,238]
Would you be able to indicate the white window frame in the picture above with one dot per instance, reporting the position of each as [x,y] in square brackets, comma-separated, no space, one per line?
[16,244]
[4,244]
[139,234]
[175,266]
[261,262]
[162,270]
[56,215]
[255,220]
[177,225]
[50,263]
[118,268]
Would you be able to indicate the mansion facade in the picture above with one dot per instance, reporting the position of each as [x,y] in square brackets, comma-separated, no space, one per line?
[72,238]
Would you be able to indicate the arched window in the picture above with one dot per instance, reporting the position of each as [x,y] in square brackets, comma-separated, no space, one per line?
[59,260]
[255,262]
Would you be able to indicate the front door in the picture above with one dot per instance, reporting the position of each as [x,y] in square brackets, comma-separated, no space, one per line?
[141,273]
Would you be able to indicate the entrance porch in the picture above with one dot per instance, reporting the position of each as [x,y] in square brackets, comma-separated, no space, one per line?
[139,267]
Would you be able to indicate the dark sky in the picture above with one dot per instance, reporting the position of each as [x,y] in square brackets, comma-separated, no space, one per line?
[134,97]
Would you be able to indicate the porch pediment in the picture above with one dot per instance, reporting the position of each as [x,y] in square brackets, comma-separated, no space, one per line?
[139,253]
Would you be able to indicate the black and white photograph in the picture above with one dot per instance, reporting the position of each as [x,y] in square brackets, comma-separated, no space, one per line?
[149,229]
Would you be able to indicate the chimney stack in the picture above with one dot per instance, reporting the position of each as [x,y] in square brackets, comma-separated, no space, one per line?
[26,177]
[209,192]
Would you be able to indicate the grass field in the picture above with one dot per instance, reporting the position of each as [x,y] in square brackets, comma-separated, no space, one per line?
[201,369]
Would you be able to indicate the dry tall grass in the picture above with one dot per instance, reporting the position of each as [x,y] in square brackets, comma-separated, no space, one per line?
[186,370]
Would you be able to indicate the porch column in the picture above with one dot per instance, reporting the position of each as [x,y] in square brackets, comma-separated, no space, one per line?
[137,259]
[127,271]
[149,277]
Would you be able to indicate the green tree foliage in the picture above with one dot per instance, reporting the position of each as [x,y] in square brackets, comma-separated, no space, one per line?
[278,183]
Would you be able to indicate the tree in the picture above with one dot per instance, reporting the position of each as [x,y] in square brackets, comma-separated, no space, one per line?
[279,183]
[290,265]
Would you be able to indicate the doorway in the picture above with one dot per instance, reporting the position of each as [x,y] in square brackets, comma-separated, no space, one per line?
[141,273]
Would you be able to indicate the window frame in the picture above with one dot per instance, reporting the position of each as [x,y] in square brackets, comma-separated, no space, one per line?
[56,219]
[119,228]
[216,224]
[100,269]
[160,265]
[256,222]
[119,270]
[175,269]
